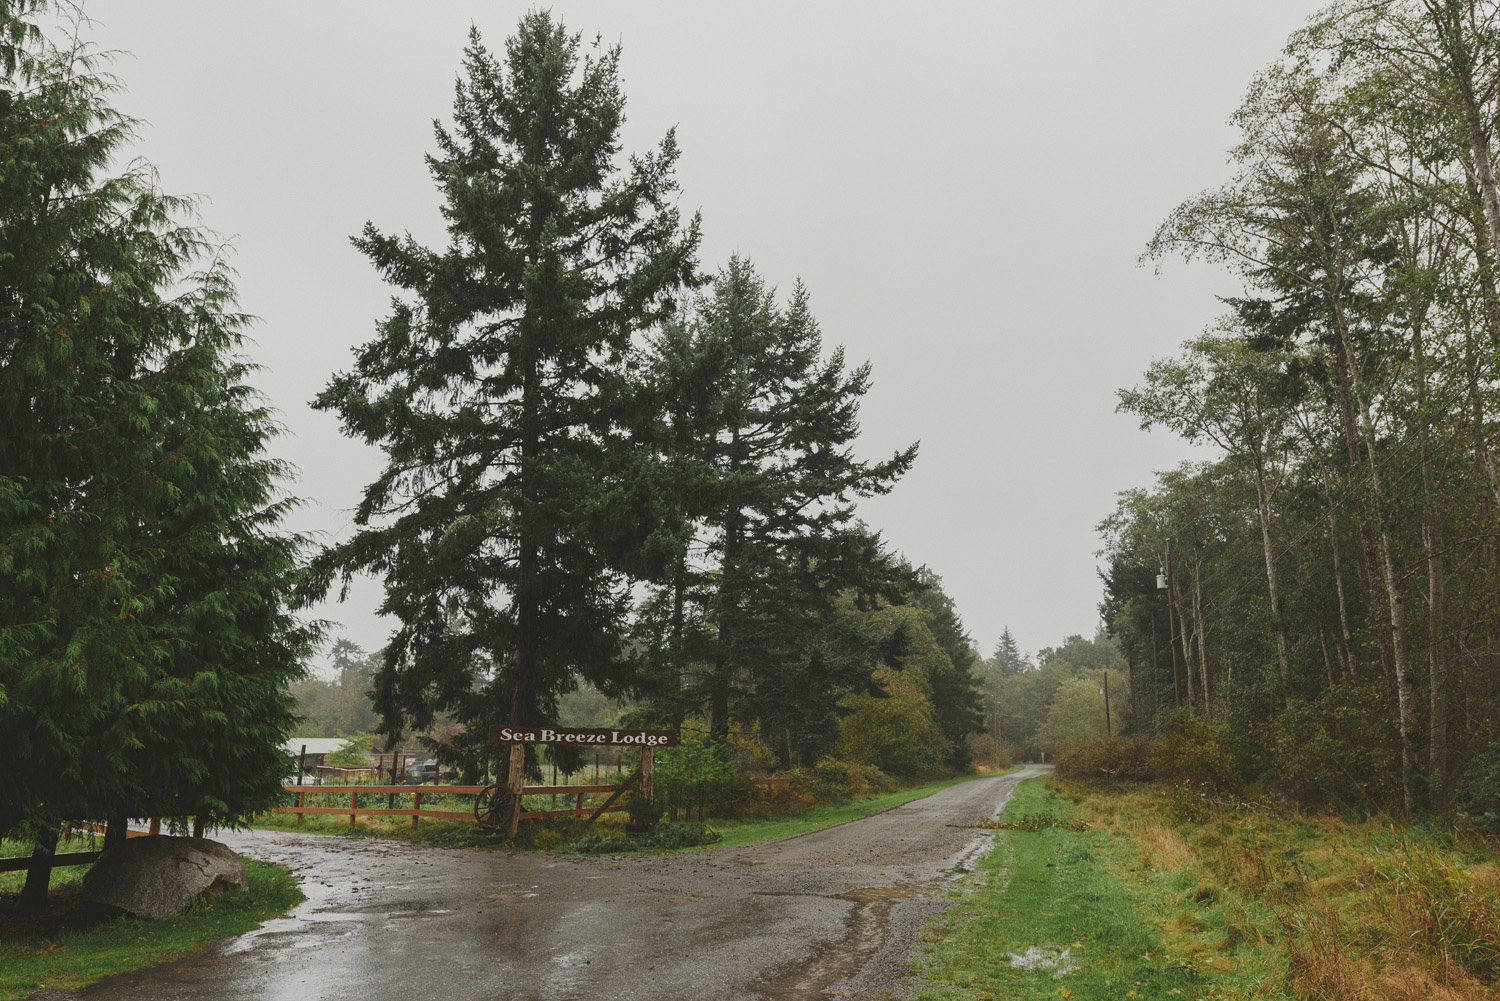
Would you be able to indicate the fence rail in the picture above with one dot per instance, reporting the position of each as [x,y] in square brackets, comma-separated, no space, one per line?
[415,811]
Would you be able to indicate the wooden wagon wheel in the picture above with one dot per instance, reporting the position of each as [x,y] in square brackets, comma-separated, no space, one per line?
[493,807]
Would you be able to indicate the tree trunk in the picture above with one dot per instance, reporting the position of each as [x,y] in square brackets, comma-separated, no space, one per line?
[1437,733]
[39,876]
[1476,407]
[679,616]
[1437,744]
[1263,508]
[1327,661]
[1343,360]
[1447,19]
[1187,646]
[719,685]
[1406,695]
[1347,661]
[1155,671]
[1200,627]
[528,597]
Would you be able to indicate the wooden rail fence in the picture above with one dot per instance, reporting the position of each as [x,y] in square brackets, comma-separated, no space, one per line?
[354,810]
[356,792]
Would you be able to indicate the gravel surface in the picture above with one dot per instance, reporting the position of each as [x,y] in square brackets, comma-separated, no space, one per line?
[827,914]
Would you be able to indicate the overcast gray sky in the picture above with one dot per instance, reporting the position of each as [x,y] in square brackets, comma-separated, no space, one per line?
[964,187]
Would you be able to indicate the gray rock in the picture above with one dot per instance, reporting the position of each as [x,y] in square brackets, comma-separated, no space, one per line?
[155,876]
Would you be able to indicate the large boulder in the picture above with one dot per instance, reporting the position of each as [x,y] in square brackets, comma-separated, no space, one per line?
[155,876]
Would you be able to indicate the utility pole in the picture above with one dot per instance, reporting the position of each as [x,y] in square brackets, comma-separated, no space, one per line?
[1172,634]
[1108,731]
[1155,672]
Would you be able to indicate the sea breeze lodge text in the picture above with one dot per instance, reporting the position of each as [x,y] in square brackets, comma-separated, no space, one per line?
[602,737]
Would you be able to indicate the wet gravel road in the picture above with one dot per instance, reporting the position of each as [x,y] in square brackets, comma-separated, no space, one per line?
[828,914]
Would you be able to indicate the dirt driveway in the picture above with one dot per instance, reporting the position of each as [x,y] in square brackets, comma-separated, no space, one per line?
[828,914]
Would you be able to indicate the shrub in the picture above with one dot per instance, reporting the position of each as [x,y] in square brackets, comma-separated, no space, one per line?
[987,752]
[1337,749]
[835,781]
[897,732]
[1200,753]
[820,785]
[1110,758]
[355,751]
[1477,796]
[643,812]
[662,836]
[700,772]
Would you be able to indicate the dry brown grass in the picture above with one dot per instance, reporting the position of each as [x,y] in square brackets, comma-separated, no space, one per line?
[1354,909]
[1159,845]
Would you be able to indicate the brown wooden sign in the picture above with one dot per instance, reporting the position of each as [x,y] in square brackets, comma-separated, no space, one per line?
[586,736]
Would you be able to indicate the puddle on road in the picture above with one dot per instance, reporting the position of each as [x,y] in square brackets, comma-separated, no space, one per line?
[319,909]
[289,926]
[1060,962]
[844,959]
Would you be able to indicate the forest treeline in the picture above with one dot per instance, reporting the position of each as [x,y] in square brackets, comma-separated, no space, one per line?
[1323,589]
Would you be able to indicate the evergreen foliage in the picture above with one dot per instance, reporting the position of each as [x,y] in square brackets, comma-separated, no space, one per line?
[144,588]
[761,431]
[954,693]
[1007,658]
[500,387]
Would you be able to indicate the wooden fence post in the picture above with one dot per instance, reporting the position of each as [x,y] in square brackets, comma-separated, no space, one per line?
[353,805]
[648,771]
[416,804]
[517,782]
[301,801]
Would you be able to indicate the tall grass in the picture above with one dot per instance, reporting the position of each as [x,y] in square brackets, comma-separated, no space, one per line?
[1354,910]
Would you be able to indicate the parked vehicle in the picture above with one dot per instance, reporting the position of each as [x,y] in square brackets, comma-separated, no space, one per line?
[422,773]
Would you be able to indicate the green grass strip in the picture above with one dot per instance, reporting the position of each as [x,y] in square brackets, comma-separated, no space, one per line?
[74,959]
[740,833]
[1049,919]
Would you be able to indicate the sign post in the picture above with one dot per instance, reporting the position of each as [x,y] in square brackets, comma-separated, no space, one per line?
[518,736]
[515,780]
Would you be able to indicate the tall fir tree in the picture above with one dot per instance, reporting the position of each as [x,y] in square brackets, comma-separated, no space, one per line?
[500,387]
[1007,658]
[770,481]
[956,699]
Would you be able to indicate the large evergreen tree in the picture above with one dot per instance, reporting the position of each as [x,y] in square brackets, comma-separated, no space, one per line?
[768,477]
[500,388]
[144,632]
[956,697]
